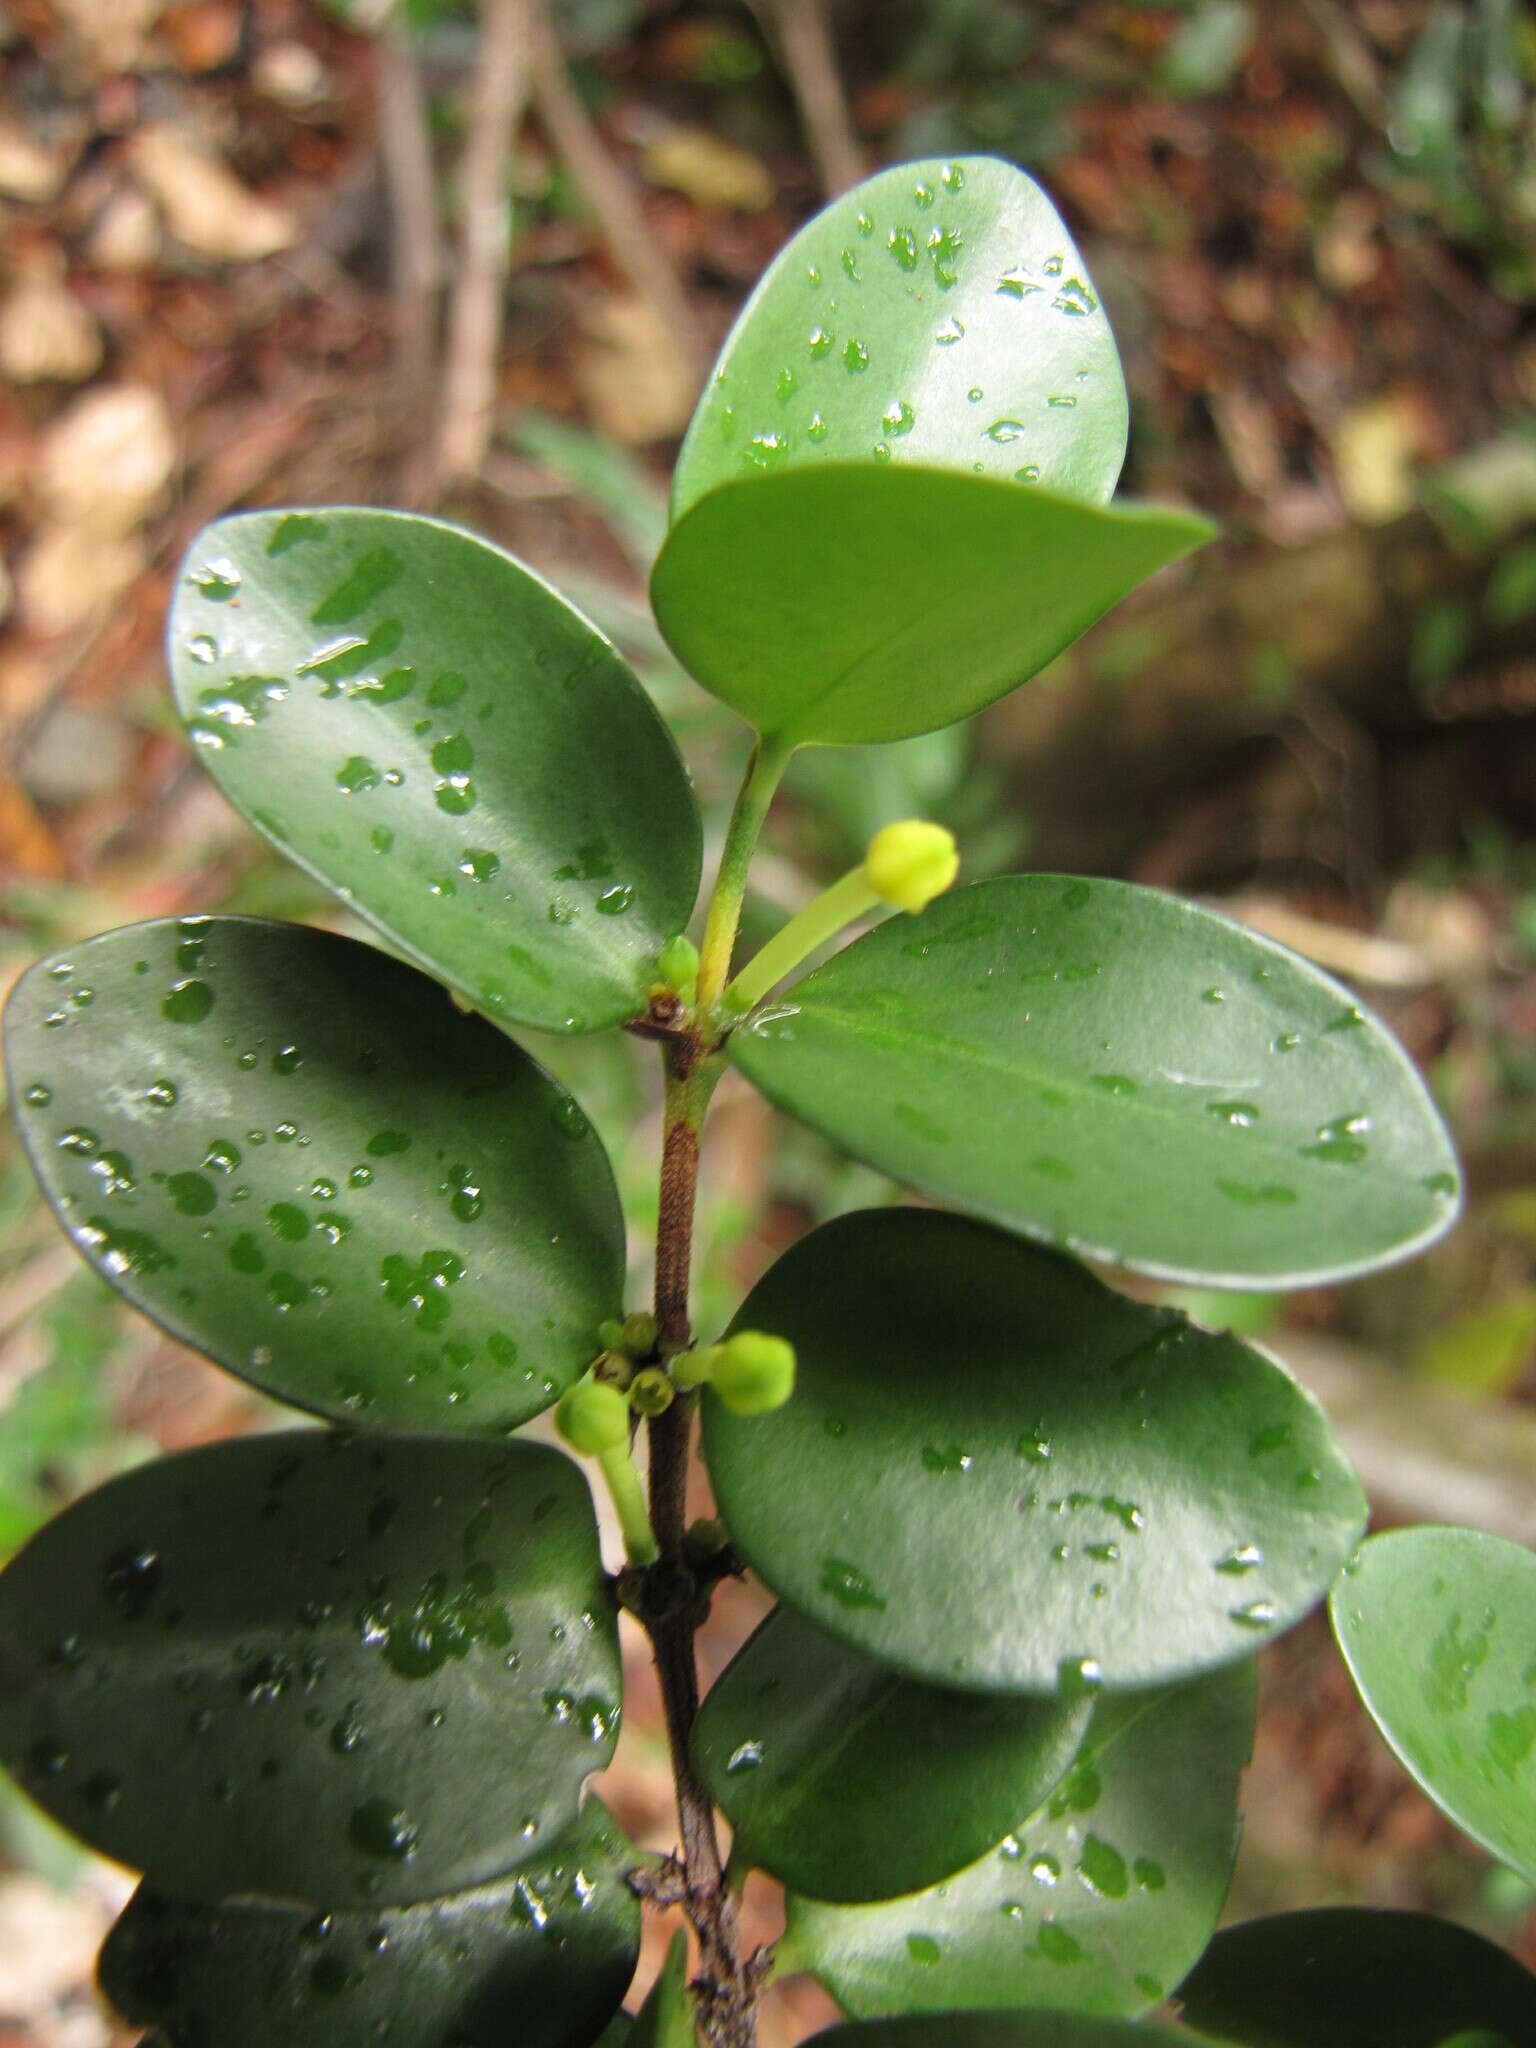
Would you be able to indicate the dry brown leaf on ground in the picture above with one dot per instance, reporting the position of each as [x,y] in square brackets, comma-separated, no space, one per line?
[707,170]
[29,171]
[205,205]
[638,386]
[46,335]
[106,461]
[112,33]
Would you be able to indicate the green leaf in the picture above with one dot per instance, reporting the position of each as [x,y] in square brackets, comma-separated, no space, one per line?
[810,1749]
[938,314]
[1438,1628]
[1054,2029]
[997,1474]
[424,725]
[852,603]
[1351,1978]
[543,1958]
[1097,1904]
[315,1666]
[666,2018]
[294,1153]
[1109,1069]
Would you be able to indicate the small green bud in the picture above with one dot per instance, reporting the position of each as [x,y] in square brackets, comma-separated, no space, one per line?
[614,1369]
[639,1333]
[651,1392]
[705,1538]
[593,1418]
[753,1373]
[610,1334]
[909,864]
[679,966]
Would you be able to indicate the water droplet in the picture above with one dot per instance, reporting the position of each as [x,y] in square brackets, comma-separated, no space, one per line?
[1035,1445]
[1443,1186]
[203,649]
[821,340]
[1352,1019]
[130,1579]
[357,775]
[1029,474]
[77,1139]
[1287,1041]
[1276,1437]
[1242,1116]
[923,1949]
[1004,431]
[923,193]
[615,901]
[1045,1869]
[1078,1677]
[1116,1084]
[191,1194]
[848,1585]
[383,1145]
[1244,1558]
[1257,1614]
[817,430]
[187,1002]
[766,451]
[1073,297]
[1063,400]
[851,266]
[745,1757]
[1151,1877]
[946,1458]
[1102,1869]
[161,1094]
[902,243]
[380,1828]
[898,418]
[855,357]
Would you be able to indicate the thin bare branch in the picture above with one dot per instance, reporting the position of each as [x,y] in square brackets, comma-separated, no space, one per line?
[801,35]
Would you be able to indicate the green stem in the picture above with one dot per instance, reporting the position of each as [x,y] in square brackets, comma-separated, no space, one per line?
[846,900]
[618,1469]
[769,759]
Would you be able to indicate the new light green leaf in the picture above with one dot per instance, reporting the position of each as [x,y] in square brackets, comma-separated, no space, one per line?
[355,1670]
[809,1748]
[937,314]
[850,602]
[542,1958]
[1346,1977]
[1109,1069]
[431,730]
[294,1153]
[1438,1628]
[1096,1904]
[996,1474]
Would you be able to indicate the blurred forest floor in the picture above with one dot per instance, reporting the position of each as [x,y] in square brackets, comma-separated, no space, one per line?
[231,242]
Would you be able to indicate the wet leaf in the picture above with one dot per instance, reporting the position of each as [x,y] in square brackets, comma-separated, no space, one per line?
[294,1153]
[809,1750]
[1060,1055]
[428,728]
[995,1473]
[357,1670]
[1350,1978]
[543,1957]
[939,314]
[1097,1904]
[1438,1628]
[852,602]
[666,2018]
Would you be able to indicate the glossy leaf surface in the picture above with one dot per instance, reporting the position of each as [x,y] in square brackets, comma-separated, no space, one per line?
[1097,1904]
[1107,1068]
[847,1781]
[854,602]
[430,729]
[1438,1628]
[939,313]
[666,2018]
[353,1670]
[1351,1978]
[995,1473]
[296,1154]
[542,1959]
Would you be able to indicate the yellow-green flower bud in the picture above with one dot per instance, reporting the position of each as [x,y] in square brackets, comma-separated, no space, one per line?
[753,1373]
[651,1392]
[909,864]
[639,1333]
[593,1418]
[610,1334]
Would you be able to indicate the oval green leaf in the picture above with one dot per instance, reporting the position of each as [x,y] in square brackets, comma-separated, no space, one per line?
[347,1669]
[1059,1054]
[542,1958]
[1438,1628]
[996,1474]
[938,314]
[424,725]
[808,1748]
[1053,2029]
[296,1154]
[1347,1977]
[1096,1904]
[848,603]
